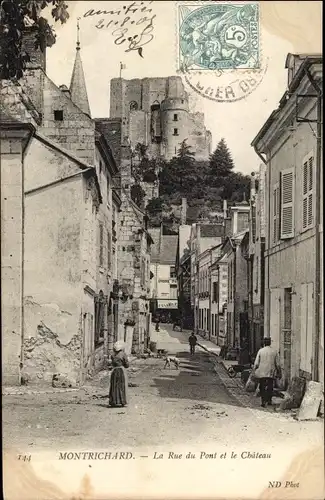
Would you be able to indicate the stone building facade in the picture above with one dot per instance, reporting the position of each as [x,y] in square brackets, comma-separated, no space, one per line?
[203,237]
[290,145]
[219,275]
[164,289]
[132,287]
[236,252]
[15,138]
[155,112]
[69,214]
[256,277]
[183,272]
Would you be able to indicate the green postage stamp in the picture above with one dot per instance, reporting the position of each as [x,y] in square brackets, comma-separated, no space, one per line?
[218,36]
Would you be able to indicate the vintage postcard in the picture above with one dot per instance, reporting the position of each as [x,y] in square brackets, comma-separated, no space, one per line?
[162,250]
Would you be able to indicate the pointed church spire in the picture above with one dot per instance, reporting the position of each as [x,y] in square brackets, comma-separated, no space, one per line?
[78,90]
[78,34]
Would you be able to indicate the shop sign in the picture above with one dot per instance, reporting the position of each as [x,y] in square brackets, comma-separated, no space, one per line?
[167,304]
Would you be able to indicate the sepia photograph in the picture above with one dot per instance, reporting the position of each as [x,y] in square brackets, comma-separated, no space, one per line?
[162,330]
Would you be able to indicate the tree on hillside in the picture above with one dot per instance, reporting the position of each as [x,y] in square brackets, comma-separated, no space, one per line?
[14,16]
[221,162]
[184,152]
[144,169]
[154,206]
[178,175]
[236,187]
[185,164]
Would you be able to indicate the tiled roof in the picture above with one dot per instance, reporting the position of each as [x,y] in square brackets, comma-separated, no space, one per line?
[168,249]
[164,249]
[111,128]
[155,251]
[211,230]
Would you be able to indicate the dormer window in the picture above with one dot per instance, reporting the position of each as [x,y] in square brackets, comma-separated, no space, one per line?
[58,115]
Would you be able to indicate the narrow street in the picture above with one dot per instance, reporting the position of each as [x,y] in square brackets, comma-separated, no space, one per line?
[188,405]
[171,414]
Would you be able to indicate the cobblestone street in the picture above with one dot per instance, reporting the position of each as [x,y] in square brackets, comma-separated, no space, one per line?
[197,409]
[198,403]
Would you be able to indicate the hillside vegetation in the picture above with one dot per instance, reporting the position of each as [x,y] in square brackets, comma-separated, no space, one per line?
[204,184]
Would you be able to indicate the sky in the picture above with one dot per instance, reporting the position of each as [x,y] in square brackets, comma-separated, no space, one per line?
[285,27]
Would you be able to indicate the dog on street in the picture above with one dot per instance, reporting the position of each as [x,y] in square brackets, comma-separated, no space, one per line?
[171,359]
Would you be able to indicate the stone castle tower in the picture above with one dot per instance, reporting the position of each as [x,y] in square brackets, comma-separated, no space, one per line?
[155,112]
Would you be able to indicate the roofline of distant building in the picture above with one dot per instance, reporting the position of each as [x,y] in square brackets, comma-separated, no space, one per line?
[103,145]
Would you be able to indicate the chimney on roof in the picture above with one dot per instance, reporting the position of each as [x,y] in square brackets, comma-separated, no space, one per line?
[225,209]
[65,90]
[253,186]
[183,211]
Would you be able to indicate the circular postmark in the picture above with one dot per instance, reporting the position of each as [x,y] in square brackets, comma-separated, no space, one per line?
[219,50]
[222,86]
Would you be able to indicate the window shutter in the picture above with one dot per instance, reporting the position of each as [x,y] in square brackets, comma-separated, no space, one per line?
[307,193]
[276,208]
[101,244]
[287,204]
[310,194]
[253,215]
[109,250]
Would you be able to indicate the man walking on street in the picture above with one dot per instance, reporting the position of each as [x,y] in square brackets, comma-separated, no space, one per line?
[267,368]
[192,341]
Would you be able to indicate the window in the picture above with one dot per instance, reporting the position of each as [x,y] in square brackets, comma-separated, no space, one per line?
[100,166]
[287,204]
[175,131]
[99,318]
[143,272]
[307,193]
[253,223]
[276,213]
[173,291]
[133,106]
[175,117]
[172,272]
[58,115]
[109,250]
[101,244]
[230,289]
[215,292]
[114,263]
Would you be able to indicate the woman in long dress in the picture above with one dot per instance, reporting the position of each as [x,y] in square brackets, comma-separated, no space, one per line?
[119,382]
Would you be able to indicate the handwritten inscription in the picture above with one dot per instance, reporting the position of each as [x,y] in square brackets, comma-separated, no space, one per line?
[131,26]
[24,458]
